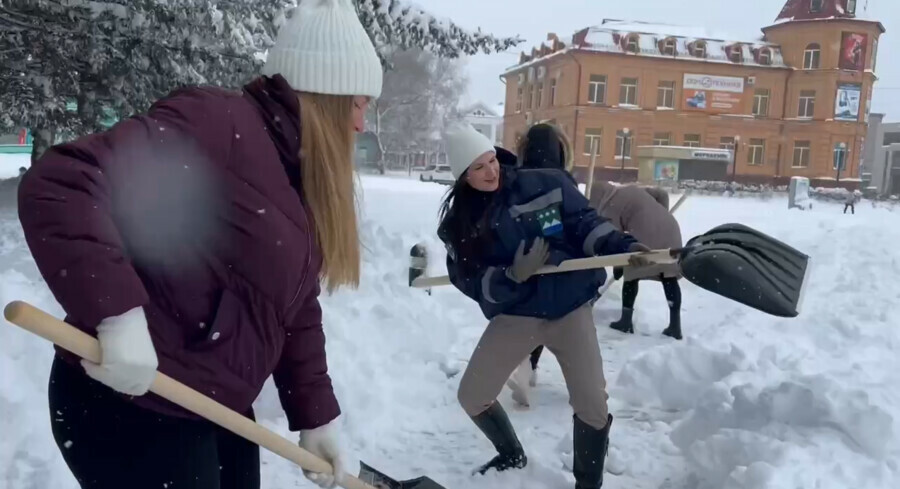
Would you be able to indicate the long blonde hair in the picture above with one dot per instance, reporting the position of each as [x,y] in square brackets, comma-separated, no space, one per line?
[326,170]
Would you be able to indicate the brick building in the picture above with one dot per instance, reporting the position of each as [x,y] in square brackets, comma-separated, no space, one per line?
[794,103]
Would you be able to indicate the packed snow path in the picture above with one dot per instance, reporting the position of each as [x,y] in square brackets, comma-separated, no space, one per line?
[746,401]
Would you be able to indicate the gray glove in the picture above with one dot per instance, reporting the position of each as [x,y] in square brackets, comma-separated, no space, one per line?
[638,260]
[526,264]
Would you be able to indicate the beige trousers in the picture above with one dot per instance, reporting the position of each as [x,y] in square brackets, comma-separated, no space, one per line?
[509,339]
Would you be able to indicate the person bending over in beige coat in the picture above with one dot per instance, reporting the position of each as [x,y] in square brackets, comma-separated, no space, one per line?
[644,213]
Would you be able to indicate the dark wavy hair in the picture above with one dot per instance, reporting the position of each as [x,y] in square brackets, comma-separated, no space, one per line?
[465,218]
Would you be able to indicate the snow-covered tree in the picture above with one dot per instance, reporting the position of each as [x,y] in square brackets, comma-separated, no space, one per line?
[420,94]
[69,66]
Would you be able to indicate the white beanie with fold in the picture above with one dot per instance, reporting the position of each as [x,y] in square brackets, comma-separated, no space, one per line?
[323,48]
[464,145]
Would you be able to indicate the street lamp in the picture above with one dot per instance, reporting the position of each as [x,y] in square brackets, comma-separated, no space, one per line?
[625,132]
[840,157]
[737,145]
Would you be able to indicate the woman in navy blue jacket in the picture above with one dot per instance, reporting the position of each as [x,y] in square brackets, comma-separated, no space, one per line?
[500,224]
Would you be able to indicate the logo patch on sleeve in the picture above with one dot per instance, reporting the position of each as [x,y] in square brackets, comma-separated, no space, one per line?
[550,221]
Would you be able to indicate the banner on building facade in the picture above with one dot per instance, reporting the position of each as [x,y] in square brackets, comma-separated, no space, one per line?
[713,94]
[846,102]
[666,171]
[853,51]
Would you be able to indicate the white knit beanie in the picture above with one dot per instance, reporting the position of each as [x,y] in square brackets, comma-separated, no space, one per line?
[464,145]
[323,48]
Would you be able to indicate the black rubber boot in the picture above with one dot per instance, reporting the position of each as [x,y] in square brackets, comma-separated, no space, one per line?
[624,323]
[495,425]
[674,329]
[590,447]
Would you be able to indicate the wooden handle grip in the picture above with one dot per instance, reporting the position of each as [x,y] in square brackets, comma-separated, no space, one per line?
[85,346]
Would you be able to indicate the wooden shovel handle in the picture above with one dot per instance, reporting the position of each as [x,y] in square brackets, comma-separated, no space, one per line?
[80,343]
[604,261]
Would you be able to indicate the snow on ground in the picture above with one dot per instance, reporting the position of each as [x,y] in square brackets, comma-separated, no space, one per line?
[747,401]
[10,164]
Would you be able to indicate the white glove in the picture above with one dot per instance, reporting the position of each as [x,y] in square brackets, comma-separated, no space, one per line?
[323,442]
[128,358]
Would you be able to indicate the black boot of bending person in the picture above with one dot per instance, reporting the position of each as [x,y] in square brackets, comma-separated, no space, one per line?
[629,295]
[673,296]
[495,425]
[590,448]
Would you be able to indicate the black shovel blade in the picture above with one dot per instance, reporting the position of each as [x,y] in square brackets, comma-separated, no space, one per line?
[747,266]
[375,478]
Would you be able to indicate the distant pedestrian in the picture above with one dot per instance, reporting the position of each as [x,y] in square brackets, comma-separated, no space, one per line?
[850,202]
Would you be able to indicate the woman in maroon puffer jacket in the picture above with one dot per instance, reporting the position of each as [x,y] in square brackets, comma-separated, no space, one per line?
[192,239]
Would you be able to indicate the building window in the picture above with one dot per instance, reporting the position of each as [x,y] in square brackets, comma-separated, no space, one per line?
[840,154]
[665,94]
[542,70]
[538,91]
[735,53]
[632,45]
[765,57]
[761,102]
[698,49]
[812,57]
[553,92]
[621,148]
[590,136]
[692,140]
[662,139]
[726,142]
[519,99]
[801,154]
[669,47]
[874,54]
[628,91]
[851,7]
[807,106]
[597,89]
[815,6]
[756,152]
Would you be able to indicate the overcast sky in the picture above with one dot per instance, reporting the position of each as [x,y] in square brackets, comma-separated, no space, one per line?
[533,19]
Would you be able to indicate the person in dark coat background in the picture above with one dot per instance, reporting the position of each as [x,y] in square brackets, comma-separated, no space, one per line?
[500,224]
[544,146]
[192,239]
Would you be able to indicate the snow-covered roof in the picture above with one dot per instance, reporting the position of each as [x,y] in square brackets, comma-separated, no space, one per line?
[488,111]
[610,35]
[800,11]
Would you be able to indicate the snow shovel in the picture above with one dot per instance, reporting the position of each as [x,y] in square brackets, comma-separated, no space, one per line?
[731,260]
[80,343]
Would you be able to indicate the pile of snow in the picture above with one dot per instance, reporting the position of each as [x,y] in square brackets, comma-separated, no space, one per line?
[746,401]
[11,162]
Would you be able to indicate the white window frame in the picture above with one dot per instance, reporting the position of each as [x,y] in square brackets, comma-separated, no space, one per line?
[668,94]
[519,95]
[629,89]
[726,145]
[693,144]
[538,94]
[846,152]
[591,135]
[553,91]
[670,47]
[632,44]
[804,151]
[765,57]
[806,109]
[759,99]
[851,10]
[658,141]
[699,49]
[594,90]
[620,145]
[756,153]
[812,57]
